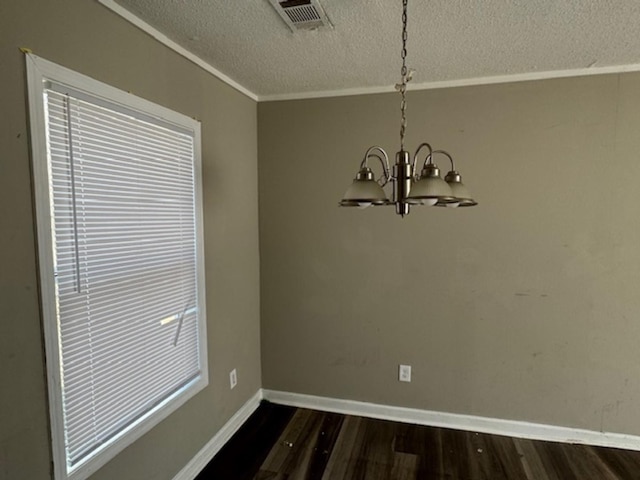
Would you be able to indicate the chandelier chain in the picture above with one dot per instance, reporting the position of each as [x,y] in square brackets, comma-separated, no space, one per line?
[404,75]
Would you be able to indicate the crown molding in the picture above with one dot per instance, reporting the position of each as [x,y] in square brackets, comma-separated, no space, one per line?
[162,38]
[465,82]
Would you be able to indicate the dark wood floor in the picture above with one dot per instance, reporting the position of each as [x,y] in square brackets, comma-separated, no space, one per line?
[285,443]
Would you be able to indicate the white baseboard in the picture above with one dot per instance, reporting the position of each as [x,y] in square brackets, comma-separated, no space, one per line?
[213,446]
[511,428]
[495,426]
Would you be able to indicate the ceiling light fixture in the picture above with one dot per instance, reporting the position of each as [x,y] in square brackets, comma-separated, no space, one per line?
[409,186]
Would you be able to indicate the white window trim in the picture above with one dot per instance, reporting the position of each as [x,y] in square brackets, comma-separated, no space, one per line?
[38,71]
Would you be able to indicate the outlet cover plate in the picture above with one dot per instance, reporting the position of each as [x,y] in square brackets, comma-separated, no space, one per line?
[404,373]
[233,378]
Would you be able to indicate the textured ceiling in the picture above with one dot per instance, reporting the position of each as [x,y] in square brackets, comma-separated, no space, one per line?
[448,39]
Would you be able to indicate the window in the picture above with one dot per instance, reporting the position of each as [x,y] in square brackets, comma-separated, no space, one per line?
[118,205]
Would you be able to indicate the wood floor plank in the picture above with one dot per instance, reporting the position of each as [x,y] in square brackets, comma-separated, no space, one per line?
[621,462]
[297,463]
[482,463]
[504,451]
[287,441]
[454,454]
[531,462]
[585,463]
[431,452]
[338,462]
[374,447]
[601,465]
[318,445]
[425,443]
[264,475]
[555,460]
[405,466]
[354,461]
[325,442]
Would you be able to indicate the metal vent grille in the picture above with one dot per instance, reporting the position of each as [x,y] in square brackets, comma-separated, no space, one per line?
[301,14]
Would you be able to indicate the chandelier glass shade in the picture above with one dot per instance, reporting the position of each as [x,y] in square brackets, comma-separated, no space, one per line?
[410,185]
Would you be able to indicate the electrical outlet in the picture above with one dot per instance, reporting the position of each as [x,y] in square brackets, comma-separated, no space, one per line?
[404,373]
[233,378]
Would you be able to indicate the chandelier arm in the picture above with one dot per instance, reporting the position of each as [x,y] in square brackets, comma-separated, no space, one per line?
[443,152]
[384,179]
[384,161]
[414,172]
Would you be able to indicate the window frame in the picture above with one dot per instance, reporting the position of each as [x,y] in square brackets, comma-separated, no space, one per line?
[39,71]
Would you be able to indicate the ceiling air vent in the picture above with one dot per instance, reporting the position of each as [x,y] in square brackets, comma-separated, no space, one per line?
[301,14]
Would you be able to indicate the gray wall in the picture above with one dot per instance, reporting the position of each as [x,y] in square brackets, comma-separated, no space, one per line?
[525,307]
[88,38]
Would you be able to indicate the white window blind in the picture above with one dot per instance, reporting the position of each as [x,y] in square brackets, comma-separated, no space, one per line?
[124,237]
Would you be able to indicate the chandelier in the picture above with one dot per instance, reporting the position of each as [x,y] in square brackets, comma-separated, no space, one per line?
[409,187]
